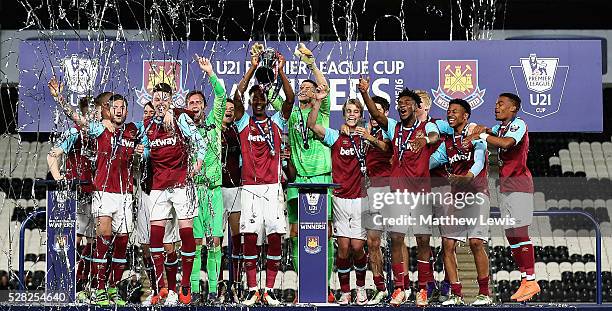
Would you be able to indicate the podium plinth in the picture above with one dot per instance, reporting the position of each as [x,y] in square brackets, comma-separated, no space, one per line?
[312,242]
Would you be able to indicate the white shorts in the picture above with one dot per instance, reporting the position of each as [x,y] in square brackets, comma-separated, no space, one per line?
[439,207]
[476,216]
[409,213]
[375,204]
[263,210]
[143,223]
[517,206]
[347,217]
[118,206]
[231,199]
[180,203]
[86,224]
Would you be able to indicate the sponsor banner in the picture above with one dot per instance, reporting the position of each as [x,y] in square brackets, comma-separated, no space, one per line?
[556,80]
[312,243]
[61,243]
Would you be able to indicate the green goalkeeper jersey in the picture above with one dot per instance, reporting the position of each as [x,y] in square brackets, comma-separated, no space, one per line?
[316,160]
[211,174]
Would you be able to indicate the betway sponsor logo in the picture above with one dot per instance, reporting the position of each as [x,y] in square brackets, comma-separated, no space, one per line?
[460,157]
[256,138]
[347,151]
[161,142]
[124,142]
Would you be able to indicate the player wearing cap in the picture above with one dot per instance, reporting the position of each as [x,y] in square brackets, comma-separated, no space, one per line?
[511,137]
[468,179]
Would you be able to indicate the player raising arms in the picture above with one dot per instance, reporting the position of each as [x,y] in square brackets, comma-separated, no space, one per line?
[209,222]
[311,158]
[516,186]
[412,146]
[262,196]
[79,151]
[112,198]
[349,171]
[172,193]
[468,178]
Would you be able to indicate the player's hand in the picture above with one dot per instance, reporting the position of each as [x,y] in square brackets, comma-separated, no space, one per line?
[417,144]
[55,87]
[169,120]
[60,178]
[256,50]
[205,64]
[477,130]
[281,61]
[344,129]
[456,180]
[304,54]
[320,93]
[197,167]
[364,84]
[139,149]
[108,125]
[363,133]
[285,154]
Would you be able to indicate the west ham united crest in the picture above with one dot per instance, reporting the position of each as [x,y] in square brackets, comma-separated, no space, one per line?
[458,79]
[543,80]
[162,71]
[312,245]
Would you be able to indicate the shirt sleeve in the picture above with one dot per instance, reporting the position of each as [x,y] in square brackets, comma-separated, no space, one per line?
[517,130]
[444,127]
[439,157]
[243,122]
[69,137]
[277,103]
[495,129]
[390,131]
[325,106]
[95,128]
[189,129]
[431,128]
[279,119]
[331,136]
[480,147]
[220,102]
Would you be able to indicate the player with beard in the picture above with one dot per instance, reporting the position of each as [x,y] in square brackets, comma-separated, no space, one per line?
[112,198]
[468,178]
[231,188]
[171,132]
[79,151]
[412,146]
[350,172]
[143,224]
[262,196]
[209,222]
[511,137]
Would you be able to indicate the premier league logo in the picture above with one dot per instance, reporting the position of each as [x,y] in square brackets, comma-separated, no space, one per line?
[312,245]
[312,208]
[458,79]
[162,71]
[80,75]
[544,80]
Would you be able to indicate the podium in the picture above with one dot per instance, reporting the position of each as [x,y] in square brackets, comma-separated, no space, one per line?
[312,242]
